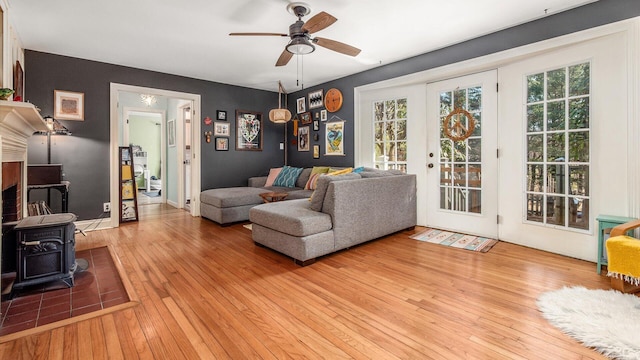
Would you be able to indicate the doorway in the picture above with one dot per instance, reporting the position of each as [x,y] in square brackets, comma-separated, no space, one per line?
[172,174]
[462,168]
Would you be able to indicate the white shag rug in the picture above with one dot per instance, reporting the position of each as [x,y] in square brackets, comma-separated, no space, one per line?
[606,320]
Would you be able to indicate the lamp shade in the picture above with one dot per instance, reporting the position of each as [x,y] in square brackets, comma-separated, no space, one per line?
[279,116]
[300,46]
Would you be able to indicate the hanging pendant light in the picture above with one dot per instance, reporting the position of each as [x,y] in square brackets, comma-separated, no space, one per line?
[280,115]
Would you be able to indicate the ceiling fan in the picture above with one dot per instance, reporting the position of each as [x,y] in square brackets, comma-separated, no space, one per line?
[301,42]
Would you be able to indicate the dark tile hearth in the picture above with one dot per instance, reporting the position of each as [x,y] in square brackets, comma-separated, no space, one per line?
[96,288]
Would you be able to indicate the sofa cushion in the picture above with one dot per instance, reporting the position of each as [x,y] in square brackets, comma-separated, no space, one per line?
[303,178]
[273,174]
[323,183]
[230,197]
[299,194]
[287,177]
[291,217]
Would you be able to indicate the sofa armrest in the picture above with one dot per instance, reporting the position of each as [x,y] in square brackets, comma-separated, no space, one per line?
[258,181]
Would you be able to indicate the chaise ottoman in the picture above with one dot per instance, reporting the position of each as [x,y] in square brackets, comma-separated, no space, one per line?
[229,205]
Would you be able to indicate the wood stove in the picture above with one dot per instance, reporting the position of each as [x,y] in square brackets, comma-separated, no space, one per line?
[46,250]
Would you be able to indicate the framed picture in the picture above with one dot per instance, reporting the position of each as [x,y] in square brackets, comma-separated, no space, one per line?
[222,144]
[316,99]
[300,105]
[221,115]
[305,118]
[248,130]
[18,83]
[68,105]
[171,132]
[303,138]
[316,151]
[323,115]
[316,125]
[334,138]
[221,129]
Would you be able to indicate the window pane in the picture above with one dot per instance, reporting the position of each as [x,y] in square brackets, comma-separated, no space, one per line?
[534,147]
[390,151]
[460,151]
[555,84]
[535,177]
[475,99]
[445,198]
[390,130]
[379,126]
[402,151]
[535,88]
[555,210]
[475,150]
[459,199]
[390,109]
[535,118]
[555,147]
[402,129]
[535,207]
[579,180]
[446,150]
[579,79]
[579,213]
[445,103]
[478,129]
[579,113]
[579,146]
[460,99]
[379,150]
[555,116]
[555,179]
[402,108]
[475,203]
[459,175]
[378,109]
[446,175]
[475,175]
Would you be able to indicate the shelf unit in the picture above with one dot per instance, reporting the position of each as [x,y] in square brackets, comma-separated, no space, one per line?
[128,187]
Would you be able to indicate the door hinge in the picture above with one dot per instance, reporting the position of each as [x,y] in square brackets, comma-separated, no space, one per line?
[498,219]
[497,153]
[497,87]
[127,121]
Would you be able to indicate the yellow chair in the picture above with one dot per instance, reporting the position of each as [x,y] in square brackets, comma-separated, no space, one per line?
[623,253]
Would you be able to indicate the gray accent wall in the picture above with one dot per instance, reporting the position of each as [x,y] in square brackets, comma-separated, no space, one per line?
[85,154]
[588,16]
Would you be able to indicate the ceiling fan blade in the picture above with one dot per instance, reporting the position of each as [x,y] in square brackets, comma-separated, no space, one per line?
[337,46]
[284,58]
[318,22]
[258,34]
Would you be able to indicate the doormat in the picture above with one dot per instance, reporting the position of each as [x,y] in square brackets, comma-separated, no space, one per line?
[456,240]
[99,290]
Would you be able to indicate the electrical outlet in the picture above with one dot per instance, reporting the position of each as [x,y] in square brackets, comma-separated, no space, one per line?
[106,207]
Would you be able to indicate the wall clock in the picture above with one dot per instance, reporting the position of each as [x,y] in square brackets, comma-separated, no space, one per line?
[333,100]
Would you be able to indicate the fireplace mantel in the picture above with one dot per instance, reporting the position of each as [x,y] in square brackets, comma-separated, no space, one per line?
[18,122]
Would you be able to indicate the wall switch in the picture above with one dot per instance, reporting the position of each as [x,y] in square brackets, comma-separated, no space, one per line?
[281,146]
[106,207]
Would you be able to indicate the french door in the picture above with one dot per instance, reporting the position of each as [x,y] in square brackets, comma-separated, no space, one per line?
[462,166]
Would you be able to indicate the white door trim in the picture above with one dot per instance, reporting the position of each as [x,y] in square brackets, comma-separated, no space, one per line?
[114,135]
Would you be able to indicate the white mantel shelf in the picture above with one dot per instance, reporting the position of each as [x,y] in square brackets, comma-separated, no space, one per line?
[18,122]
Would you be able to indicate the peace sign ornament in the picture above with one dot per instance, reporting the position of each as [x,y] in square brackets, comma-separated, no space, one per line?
[453,125]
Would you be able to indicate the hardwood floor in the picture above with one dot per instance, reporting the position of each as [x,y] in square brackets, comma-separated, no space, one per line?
[208,292]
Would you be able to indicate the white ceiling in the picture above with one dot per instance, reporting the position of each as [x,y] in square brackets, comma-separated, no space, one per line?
[190,37]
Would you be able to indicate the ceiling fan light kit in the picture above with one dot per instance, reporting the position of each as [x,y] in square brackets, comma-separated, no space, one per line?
[301,42]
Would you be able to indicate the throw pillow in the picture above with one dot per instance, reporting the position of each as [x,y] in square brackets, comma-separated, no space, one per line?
[358,169]
[273,173]
[287,177]
[340,172]
[320,170]
[313,181]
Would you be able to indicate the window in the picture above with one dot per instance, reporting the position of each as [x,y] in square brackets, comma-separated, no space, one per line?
[558,150]
[390,134]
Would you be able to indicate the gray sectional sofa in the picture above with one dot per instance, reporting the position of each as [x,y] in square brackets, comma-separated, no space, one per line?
[229,205]
[345,210]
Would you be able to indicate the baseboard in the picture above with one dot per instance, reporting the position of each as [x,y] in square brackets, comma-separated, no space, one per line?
[172,203]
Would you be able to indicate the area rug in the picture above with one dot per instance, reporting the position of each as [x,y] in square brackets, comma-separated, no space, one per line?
[605,320]
[456,240]
[152,193]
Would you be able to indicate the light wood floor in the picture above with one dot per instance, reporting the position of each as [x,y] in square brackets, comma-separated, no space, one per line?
[208,292]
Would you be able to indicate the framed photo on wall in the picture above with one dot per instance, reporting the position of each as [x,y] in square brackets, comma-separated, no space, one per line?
[221,129]
[315,99]
[316,151]
[248,130]
[300,105]
[68,105]
[334,138]
[303,138]
[222,144]
[305,118]
[221,115]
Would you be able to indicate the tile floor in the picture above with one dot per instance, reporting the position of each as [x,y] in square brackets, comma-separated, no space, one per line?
[96,288]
